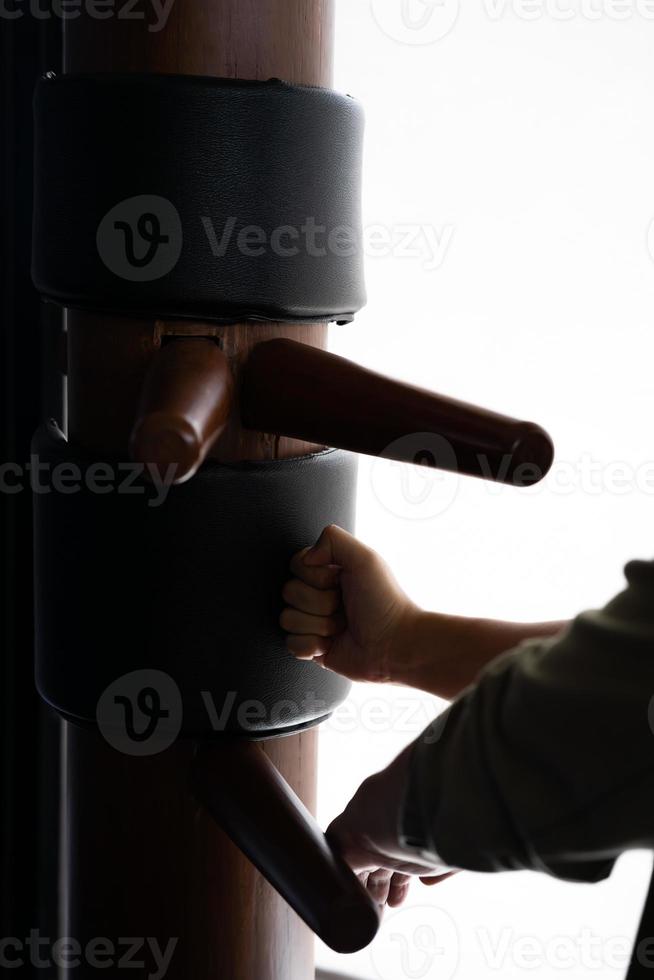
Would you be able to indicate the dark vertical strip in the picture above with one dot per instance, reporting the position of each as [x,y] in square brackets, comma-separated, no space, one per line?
[26,46]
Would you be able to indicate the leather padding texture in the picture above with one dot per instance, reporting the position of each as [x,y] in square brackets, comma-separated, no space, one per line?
[238,177]
[191,587]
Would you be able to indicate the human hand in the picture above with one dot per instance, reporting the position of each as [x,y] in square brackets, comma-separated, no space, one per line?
[346,611]
[367,836]
[344,608]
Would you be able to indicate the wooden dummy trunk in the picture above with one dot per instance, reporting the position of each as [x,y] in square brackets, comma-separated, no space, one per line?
[140,856]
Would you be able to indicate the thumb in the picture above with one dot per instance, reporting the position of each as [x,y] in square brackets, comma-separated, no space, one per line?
[335,547]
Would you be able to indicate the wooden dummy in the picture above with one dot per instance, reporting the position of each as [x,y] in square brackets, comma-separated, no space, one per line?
[141,856]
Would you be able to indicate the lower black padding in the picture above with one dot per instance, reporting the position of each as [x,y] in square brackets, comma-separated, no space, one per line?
[191,588]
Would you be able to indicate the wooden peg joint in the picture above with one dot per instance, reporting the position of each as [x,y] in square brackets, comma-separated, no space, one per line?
[185,404]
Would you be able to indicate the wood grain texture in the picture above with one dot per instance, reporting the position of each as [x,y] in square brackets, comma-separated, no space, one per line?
[289,39]
[141,857]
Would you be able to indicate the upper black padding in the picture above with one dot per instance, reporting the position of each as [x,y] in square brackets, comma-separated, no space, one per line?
[219,153]
[192,588]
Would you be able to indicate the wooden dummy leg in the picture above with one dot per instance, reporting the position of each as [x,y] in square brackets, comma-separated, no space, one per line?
[140,856]
[143,858]
[239,785]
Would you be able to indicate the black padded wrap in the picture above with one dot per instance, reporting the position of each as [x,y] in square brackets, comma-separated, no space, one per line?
[280,160]
[191,587]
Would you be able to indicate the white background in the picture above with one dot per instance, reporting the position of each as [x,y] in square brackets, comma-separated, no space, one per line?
[524,140]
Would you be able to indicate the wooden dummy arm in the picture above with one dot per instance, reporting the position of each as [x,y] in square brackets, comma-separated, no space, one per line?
[291,389]
[258,810]
[294,390]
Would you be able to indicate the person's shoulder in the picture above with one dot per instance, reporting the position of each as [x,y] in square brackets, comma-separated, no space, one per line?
[640,573]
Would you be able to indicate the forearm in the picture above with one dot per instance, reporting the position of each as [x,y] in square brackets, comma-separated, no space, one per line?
[444,654]
[546,763]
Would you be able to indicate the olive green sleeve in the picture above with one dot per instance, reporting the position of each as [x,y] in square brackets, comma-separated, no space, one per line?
[547,763]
